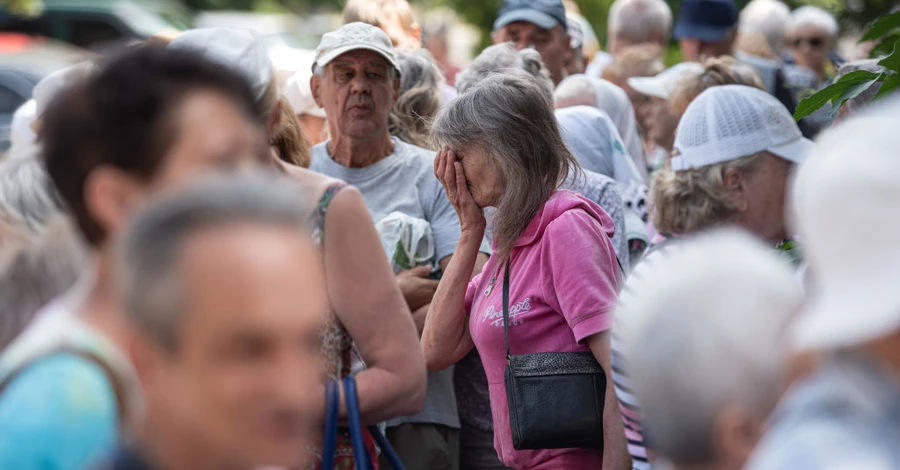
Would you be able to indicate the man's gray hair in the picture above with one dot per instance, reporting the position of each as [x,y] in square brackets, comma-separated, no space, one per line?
[148,253]
[43,268]
[28,198]
[768,18]
[503,57]
[718,303]
[575,90]
[638,20]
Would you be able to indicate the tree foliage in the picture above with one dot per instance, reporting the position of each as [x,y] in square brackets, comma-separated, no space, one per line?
[885,31]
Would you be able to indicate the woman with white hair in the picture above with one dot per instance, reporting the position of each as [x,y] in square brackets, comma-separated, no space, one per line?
[701,328]
[552,280]
[811,37]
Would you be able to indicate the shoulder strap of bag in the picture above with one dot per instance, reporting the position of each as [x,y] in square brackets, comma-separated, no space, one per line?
[117,385]
[506,308]
[332,411]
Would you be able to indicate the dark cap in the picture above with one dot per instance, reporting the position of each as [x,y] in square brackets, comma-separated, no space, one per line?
[546,14]
[706,20]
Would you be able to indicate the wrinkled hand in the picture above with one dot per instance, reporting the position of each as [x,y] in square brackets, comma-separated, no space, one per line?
[417,288]
[450,172]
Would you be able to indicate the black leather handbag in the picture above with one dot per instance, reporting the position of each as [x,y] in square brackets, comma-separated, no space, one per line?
[555,399]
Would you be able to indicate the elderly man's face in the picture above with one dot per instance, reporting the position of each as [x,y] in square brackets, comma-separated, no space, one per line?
[244,380]
[552,44]
[357,93]
[760,195]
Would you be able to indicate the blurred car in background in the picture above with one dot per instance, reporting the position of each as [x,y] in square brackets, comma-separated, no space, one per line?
[96,24]
[24,60]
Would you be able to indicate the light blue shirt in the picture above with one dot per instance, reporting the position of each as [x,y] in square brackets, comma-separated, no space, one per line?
[58,414]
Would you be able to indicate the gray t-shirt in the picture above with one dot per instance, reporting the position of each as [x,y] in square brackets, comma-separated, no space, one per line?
[404,182]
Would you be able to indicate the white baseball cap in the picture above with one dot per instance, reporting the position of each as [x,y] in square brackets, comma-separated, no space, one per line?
[297,92]
[728,122]
[236,48]
[351,37]
[846,203]
[50,86]
[662,84]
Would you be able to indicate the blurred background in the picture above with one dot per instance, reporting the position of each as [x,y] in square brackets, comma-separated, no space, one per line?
[39,36]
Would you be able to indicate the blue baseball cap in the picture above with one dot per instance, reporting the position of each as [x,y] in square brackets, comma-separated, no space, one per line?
[546,14]
[706,20]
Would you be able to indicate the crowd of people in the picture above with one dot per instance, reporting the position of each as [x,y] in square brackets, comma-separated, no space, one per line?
[564,260]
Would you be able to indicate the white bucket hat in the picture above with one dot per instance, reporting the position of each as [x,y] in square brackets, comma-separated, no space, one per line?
[236,48]
[351,37]
[662,84]
[728,122]
[846,204]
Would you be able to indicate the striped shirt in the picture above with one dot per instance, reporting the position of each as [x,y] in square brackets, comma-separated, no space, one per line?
[628,404]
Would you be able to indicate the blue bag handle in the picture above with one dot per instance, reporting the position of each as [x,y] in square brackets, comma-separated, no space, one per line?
[363,459]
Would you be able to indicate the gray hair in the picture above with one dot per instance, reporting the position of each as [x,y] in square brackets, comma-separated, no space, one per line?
[28,198]
[769,18]
[684,202]
[420,97]
[810,16]
[505,56]
[510,117]
[42,269]
[148,253]
[637,20]
[719,303]
[575,90]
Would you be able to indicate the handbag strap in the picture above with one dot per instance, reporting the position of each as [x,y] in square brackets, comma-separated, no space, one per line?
[363,459]
[332,412]
[506,308]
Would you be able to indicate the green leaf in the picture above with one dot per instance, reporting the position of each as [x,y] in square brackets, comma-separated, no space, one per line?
[891,83]
[892,62]
[884,47]
[837,89]
[882,26]
[850,93]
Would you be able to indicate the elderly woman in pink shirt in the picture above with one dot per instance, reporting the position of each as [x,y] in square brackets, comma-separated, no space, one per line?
[503,149]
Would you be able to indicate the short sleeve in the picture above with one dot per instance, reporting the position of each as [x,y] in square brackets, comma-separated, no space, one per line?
[580,279]
[58,414]
[470,291]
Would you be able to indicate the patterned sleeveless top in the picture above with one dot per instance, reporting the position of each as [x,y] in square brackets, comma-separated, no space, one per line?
[337,350]
[337,345]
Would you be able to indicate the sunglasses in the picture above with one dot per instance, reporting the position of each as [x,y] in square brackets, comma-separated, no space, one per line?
[813,42]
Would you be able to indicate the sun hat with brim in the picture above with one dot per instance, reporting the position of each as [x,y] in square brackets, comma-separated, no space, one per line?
[845,201]
[546,14]
[352,37]
[236,48]
[297,92]
[728,122]
[706,20]
[662,84]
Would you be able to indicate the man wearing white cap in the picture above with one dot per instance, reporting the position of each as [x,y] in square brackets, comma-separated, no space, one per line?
[846,414]
[356,80]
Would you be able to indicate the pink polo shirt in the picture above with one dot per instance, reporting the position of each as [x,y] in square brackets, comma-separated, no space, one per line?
[563,286]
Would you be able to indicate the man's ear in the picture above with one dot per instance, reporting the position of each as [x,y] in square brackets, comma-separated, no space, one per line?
[415,34]
[496,37]
[733,180]
[315,83]
[111,196]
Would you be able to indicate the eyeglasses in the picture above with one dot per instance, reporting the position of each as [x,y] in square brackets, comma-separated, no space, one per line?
[813,42]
